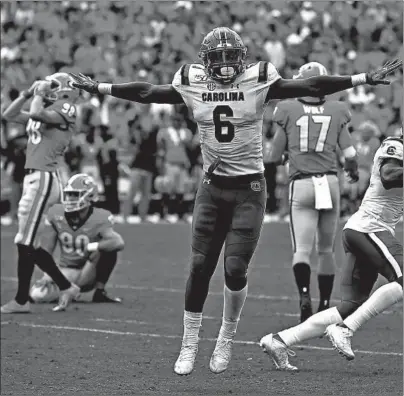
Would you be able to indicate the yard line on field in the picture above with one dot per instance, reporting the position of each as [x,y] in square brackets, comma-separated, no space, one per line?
[170,336]
[211,293]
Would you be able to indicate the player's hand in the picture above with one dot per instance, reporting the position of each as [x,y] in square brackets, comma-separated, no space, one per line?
[41,87]
[352,176]
[379,76]
[85,83]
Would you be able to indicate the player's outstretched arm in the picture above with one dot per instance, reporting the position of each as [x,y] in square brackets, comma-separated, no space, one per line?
[14,112]
[325,85]
[136,91]
[391,173]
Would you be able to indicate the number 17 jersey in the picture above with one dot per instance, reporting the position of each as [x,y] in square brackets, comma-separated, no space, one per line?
[313,133]
[229,116]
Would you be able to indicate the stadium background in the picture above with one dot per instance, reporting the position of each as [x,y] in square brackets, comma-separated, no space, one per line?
[130,349]
[127,41]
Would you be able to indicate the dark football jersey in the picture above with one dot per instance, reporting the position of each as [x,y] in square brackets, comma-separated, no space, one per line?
[73,241]
[313,134]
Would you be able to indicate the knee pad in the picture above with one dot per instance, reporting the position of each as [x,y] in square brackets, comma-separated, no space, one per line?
[201,266]
[301,257]
[235,272]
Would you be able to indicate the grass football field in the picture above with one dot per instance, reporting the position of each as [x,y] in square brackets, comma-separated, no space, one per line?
[130,349]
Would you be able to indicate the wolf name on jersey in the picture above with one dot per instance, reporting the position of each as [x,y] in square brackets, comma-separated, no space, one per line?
[381,209]
[47,142]
[174,142]
[313,133]
[229,116]
[73,241]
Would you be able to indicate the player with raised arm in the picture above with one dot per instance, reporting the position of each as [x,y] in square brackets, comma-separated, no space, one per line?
[88,244]
[371,249]
[50,125]
[227,99]
[311,130]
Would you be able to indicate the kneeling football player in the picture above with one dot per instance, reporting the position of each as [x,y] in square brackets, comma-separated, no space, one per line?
[88,244]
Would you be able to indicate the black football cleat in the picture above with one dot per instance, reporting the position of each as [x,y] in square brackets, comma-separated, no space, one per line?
[305,307]
[101,296]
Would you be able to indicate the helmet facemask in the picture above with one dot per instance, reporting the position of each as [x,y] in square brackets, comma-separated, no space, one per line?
[76,200]
[224,64]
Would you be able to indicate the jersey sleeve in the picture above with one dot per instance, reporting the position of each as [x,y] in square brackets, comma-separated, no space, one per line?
[105,220]
[345,115]
[280,115]
[67,110]
[391,148]
[182,84]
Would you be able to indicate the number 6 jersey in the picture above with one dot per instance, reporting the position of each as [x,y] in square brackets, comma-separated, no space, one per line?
[48,142]
[229,116]
[73,240]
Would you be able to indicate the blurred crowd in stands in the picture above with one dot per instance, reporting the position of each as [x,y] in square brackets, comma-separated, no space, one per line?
[124,144]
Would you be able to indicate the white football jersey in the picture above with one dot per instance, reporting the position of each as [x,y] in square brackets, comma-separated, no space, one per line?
[229,116]
[381,209]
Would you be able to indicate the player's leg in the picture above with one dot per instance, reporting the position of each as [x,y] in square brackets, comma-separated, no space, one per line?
[326,231]
[356,284]
[303,226]
[384,254]
[180,190]
[209,230]
[241,242]
[105,264]
[146,188]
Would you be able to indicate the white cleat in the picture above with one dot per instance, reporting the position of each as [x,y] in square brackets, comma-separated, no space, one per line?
[185,362]
[221,355]
[13,307]
[66,297]
[278,351]
[340,338]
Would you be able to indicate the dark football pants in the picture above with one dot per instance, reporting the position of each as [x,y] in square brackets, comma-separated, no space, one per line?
[230,213]
[368,255]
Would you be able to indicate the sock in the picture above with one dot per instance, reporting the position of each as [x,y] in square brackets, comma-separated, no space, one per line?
[313,327]
[383,298]
[25,270]
[302,273]
[47,264]
[180,205]
[233,305]
[164,205]
[325,285]
[105,266]
[192,324]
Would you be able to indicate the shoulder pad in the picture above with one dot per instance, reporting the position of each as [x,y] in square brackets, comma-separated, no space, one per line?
[104,216]
[66,109]
[392,148]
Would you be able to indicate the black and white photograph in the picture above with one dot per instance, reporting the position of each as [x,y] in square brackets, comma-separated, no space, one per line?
[201,198]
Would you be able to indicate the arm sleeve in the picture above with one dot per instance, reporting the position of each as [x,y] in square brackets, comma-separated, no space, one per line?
[280,115]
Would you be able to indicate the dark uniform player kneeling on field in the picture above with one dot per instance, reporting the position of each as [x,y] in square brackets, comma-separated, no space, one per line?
[88,244]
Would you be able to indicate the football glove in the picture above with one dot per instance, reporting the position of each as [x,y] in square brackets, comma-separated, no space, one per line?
[378,76]
[85,83]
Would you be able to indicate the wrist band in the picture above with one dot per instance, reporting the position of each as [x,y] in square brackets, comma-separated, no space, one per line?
[92,247]
[358,79]
[104,88]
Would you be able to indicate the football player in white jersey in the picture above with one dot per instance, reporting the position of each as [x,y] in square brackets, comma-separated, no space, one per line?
[227,99]
[371,249]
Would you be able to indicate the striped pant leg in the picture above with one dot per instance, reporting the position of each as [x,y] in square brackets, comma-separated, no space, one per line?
[40,191]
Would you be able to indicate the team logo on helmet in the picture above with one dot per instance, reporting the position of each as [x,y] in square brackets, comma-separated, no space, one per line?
[223,54]
[80,192]
[61,88]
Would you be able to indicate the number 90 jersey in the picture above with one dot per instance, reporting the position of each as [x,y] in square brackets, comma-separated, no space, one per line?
[73,241]
[48,142]
[229,116]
